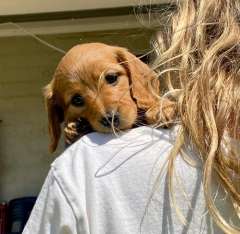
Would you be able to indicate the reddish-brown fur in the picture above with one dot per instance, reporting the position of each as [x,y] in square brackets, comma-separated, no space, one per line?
[82,71]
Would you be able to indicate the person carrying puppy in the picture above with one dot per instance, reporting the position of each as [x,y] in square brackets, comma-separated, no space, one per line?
[185,179]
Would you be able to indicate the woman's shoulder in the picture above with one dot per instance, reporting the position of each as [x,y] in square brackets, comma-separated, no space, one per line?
[100,169]
[139,134]
[98,146]
[133,152]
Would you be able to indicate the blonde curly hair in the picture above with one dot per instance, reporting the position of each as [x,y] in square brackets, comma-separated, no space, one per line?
[200,56]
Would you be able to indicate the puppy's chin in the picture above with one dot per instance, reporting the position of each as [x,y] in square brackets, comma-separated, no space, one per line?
[125,123]
[100,128]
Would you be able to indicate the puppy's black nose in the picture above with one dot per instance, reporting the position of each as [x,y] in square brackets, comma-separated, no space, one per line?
[110,120]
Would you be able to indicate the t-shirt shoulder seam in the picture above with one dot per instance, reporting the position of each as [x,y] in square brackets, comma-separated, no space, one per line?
[55,177]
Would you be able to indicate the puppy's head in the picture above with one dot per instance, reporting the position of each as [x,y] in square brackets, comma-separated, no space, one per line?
[103,84]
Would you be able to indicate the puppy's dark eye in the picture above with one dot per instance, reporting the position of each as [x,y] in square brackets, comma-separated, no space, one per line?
[111,78]
[77,100]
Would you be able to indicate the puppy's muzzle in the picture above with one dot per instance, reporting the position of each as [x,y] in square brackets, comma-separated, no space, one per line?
[110,120]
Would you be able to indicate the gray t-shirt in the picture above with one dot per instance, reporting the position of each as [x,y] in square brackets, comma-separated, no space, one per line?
[119,185]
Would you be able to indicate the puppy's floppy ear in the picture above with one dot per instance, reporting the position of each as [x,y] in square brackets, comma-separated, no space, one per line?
[143,81]
[55,117]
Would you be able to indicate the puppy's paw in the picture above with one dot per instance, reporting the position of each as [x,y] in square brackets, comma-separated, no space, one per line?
[162,114]
[71,133]
[74,130]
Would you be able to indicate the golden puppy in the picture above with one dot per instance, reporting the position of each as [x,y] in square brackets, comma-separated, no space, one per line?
[106,87]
